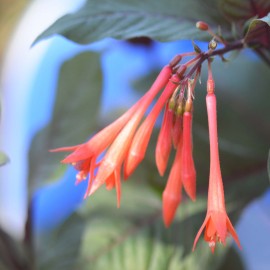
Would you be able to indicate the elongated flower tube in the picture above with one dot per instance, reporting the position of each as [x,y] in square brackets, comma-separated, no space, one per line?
[111,164]
[84,156]
[141,139]
[172,193]
[188,167]
[164,142]
[217,224]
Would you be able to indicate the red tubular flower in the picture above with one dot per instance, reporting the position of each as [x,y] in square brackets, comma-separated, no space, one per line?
[119,134]
[188,167]
[217,223]
[172,194]
[141,139]
[164,142]
[84,156]
[111,164]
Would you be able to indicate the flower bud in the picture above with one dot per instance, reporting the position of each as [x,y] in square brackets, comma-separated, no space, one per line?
[212,44]
[202,26]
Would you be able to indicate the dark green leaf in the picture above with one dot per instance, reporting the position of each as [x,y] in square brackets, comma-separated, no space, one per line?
[123,19]
[58,249]
[74,117]
[3,158]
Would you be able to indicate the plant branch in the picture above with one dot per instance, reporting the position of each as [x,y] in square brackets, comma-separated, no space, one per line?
[238,45]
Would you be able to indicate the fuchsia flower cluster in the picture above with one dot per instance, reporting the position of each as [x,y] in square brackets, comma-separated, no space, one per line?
[124,143]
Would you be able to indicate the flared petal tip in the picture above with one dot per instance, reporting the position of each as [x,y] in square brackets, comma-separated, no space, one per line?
[65,149]
[233,233]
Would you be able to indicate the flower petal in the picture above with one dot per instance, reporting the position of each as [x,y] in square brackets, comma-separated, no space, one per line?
[200,231]
[233,232]
[219,219]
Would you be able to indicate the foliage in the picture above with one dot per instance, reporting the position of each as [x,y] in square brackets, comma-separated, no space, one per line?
[159,20]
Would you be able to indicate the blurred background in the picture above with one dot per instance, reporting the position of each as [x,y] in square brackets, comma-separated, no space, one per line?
[59,93]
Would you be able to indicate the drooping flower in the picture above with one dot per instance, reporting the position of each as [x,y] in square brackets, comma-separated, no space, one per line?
[118,136]
[141,139]
[84,156]
[164,142]
[119,148]
[217,224]
[188,167]
[172,193]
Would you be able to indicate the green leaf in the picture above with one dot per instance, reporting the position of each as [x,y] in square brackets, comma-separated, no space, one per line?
[259,31]
[123,19]
[3,158]
[74,116]
[58,249]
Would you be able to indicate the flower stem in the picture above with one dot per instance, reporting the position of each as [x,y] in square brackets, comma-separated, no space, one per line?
[238,45]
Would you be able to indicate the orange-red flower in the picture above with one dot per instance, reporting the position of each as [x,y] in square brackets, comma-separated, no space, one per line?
[141,139]
[172,194]
[84,156]
[217,227]
[118,136]
[217,224]
[188,167]
[164,143]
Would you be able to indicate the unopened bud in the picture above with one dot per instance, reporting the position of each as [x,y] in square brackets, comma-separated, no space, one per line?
[172,103]
[188,106]
[196,47]
[180,108]
[175,60]
[212,44]
[202,26]
[181,70]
